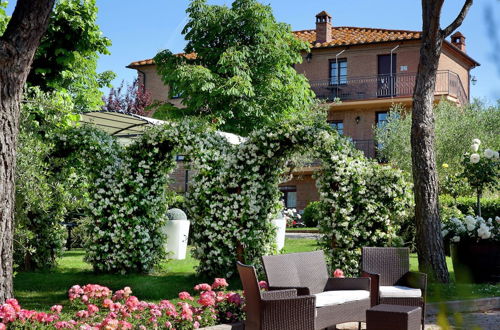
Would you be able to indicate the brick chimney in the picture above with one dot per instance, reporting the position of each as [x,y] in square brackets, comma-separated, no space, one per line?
[323,27]
[458,40]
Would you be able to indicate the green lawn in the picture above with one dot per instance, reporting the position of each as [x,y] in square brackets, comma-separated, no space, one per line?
[299,229]
[40,290]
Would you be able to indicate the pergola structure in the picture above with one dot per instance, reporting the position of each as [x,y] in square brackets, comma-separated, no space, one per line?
[126,126]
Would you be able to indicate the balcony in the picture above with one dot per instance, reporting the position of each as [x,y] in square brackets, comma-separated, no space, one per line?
[386,86]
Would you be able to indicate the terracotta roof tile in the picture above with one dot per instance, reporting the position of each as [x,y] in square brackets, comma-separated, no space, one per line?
[150,61]
[341,36]
[344,35]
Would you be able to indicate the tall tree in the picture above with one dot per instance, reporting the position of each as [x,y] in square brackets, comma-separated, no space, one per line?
[17,48]
[239,69]
[68,53]
[429,241]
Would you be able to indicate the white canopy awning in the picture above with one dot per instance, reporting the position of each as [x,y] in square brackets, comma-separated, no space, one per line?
[126,126]
[119,124]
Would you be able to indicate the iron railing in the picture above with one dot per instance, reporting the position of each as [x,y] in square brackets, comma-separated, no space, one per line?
[386,86]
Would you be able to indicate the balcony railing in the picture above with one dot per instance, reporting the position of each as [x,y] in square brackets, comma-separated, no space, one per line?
[386,86]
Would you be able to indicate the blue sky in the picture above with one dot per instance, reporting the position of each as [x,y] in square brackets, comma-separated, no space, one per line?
[139,29]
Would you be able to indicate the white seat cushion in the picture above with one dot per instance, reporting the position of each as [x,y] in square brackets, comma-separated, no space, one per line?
[338,297]
[399,292]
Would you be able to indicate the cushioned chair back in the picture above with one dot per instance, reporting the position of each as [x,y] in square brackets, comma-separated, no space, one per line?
[252,296]
[305,269]
[390,263]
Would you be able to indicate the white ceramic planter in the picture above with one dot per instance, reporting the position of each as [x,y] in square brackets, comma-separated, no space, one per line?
[280,223]
[177,232]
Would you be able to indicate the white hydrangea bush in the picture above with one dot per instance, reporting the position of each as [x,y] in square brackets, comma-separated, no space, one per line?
[471,228]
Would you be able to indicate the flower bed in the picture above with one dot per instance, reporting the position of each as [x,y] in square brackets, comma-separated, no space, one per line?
[97,307]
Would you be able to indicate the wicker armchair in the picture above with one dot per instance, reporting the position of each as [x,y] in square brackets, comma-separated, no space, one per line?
[338,300]
[392,282]
[274,310]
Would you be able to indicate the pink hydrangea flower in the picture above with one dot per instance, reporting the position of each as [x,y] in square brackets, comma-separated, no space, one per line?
[56,309]
[82,314]
[207,298]
[219,283]
[186,312]
[185,296]
[203,287]
[92,309]
[234,298]
[338,273]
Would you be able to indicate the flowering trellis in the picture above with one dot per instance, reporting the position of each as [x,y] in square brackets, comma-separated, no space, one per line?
[361,204]
[128,192]
[233,197]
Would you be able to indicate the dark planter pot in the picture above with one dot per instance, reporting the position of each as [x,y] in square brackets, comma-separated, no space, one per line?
[476,262]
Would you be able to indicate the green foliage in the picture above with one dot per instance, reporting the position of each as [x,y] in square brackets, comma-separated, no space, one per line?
[490,207]
[242,77]
[452,124]
[43,194]
[311,214]
[453,183]
[67,56]
[4,19]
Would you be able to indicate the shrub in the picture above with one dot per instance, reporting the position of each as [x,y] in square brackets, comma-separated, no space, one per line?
[311,214]
[490,207]
[452,123]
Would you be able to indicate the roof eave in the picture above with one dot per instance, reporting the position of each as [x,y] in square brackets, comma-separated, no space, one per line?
[457,51]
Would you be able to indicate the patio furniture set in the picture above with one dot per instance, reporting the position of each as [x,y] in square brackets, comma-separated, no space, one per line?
[302,296]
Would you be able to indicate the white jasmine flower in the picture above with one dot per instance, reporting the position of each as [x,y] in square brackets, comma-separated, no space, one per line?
[475,158]
[476,141]
[474,147]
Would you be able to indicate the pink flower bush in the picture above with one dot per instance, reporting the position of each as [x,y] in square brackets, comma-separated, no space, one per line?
[263,285]
[99,308]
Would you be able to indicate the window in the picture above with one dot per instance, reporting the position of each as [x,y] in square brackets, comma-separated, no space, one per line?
[289,196]
[337,125]
[381,118]
[338,74]
[174,93]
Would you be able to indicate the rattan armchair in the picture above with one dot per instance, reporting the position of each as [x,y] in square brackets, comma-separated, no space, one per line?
[274,310]
[338,300]
[390,268]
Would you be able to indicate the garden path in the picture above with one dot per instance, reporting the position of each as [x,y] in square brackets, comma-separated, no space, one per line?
[489,320]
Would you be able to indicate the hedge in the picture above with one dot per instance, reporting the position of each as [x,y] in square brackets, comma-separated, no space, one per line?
[490,207]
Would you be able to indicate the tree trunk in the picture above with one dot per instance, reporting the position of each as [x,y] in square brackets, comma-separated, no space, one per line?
[17,48]
[431,256]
